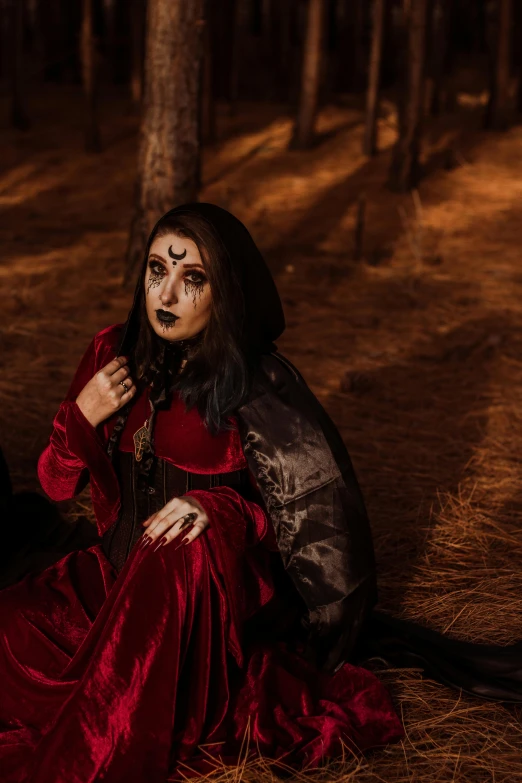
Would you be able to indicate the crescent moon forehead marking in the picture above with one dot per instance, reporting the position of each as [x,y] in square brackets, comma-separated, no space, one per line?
[177,256]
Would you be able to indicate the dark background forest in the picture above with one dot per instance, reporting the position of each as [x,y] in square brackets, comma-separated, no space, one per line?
[374,150]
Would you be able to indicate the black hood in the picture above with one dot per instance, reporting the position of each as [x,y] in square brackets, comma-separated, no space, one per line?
[265,320]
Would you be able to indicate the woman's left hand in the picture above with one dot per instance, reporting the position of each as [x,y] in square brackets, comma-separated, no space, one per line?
[174,518]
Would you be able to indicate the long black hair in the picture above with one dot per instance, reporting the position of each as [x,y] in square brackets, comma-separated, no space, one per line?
[246,314]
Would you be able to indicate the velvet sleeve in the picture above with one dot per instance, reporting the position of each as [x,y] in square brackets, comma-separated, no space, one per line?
[76,449]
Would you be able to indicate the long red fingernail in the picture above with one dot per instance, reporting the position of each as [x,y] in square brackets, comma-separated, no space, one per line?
[146,541]
[161,542]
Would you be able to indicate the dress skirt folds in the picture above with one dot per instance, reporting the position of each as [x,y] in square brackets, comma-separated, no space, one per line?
[162,665]
[120,678]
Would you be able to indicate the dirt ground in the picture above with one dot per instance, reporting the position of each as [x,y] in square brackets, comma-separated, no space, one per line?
[415,351]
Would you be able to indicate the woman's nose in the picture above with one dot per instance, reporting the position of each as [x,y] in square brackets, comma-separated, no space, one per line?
[168,295]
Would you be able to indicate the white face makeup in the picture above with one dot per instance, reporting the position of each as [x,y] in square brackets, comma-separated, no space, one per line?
[177,292]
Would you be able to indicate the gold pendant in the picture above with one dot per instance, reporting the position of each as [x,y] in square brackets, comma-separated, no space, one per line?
[141,439]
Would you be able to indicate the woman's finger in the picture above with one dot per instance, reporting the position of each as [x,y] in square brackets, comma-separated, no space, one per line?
[120,374]
[127,395]
[126,384]
[197,528]
[171,524]
[164,521]
[174,505]
[115,365]
[187,519]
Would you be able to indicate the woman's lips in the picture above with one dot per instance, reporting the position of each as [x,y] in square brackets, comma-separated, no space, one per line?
[166,317]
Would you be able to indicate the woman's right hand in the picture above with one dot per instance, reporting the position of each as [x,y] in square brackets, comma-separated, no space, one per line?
[104,394]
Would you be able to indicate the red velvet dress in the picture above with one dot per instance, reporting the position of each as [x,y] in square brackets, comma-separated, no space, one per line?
[144,676]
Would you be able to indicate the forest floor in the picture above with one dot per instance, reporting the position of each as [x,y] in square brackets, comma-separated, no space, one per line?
[415,350]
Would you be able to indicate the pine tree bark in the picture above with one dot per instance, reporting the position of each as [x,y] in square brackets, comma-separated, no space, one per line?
[137,23]
[374,74]
[19,116]
[518,28]
[208,100]
[497,113]
[440,55]
[233,76]
[88,61]
[352,55]
[109,11]
[310,79]
[169,155]
[405,170]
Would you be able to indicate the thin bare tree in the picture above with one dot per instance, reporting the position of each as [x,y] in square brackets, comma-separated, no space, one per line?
[88,58]
[518,54]
[404,170]
[440,56]
[137,23]
[235,59]
[498,110]
[169,154]
[19,116]
[310,78]
[109,13]
[208,99]
[374,74]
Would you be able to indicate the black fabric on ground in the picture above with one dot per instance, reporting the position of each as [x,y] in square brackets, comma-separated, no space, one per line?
[488,671]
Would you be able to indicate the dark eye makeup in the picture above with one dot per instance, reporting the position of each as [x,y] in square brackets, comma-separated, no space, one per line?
[194,280]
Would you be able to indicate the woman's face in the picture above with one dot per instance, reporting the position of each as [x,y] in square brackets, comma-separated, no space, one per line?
[177,292]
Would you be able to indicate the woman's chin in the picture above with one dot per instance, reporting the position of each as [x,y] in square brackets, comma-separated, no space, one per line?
[170,331]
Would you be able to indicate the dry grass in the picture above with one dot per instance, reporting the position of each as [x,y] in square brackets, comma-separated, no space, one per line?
[415,353]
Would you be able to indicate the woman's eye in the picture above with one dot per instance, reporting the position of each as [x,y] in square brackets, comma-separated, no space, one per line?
[196,278]
[156,268]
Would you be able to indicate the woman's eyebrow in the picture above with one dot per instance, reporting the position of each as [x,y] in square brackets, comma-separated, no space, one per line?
[160,258]
[192,266]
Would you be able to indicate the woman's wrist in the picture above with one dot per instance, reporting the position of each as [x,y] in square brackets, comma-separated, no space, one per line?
[88,414]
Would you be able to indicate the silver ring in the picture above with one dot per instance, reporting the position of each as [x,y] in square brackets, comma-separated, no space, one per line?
[122,383]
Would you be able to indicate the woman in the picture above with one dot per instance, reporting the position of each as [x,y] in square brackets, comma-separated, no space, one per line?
[235,567]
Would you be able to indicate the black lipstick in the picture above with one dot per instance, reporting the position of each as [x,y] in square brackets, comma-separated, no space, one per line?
[165,317]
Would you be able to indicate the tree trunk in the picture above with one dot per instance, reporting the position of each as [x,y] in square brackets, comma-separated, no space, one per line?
[518,28]
[497,113]
[374,74]
[88,61]
[286,11]
[137,23]
[37,45]
[440,55]
[19,117]
[233,76]
[111,54]
[169,155]
[310,79]
[352,54]
[208,100]
[404,171]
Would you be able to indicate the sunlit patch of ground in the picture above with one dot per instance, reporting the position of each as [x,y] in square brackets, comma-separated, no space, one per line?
[415,351]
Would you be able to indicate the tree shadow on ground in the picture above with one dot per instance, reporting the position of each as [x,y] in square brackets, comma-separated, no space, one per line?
[412,429]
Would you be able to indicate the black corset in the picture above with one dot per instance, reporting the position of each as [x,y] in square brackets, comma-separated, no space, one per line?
[137,505]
